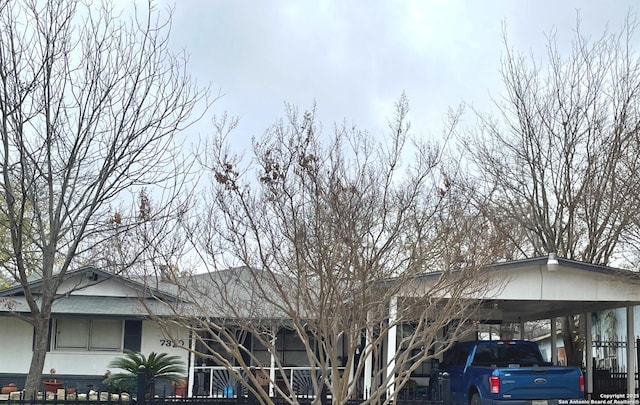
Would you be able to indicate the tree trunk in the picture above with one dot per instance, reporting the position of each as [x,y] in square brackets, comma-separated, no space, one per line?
[573,340]
[40,346]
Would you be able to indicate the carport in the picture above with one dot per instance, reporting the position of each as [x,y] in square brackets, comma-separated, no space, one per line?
[548,287]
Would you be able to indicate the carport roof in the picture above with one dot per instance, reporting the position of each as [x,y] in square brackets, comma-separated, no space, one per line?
[536,288]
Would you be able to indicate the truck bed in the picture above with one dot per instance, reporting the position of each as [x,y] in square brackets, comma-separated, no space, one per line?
[496,371]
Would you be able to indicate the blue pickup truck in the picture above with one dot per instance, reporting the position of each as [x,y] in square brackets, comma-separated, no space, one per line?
[507,372]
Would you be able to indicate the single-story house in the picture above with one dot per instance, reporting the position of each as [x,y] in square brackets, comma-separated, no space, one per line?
[104,314]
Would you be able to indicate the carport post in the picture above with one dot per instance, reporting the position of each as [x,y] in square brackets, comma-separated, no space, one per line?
[631,358]
[588,349]
[192,363]
[554,341]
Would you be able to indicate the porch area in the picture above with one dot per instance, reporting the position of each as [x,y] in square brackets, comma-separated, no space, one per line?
[224,382]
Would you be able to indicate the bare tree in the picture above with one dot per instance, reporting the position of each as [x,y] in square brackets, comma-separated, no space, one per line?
[341,241]
[90,103]
[556,168]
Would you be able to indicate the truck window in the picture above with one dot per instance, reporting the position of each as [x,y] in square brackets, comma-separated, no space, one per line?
[524,355]
[457,356]
[484,356]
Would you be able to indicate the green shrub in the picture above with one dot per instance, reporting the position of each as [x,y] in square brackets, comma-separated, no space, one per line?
[158,366]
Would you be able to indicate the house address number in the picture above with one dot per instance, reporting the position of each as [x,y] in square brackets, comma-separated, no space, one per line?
[171,343]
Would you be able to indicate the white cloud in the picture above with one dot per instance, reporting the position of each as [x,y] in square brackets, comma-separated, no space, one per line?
[356,57]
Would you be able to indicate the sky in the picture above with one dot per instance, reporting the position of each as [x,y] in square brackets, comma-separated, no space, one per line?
[354,58]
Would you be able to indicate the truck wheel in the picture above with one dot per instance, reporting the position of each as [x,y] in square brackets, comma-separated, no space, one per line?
[475,400]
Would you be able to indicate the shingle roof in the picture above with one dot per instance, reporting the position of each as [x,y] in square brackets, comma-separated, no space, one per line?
[94,305]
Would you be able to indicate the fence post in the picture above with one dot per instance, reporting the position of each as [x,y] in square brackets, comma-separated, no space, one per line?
[142,385]
[445,388]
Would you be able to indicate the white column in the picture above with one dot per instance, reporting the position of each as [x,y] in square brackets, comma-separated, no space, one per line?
[392,333]
[272,365]
[588,350]
[554,341]
[631,358]
[192,363]
[368,361]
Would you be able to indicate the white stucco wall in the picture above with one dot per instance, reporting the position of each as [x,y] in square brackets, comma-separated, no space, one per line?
[95,363]
[16,338]
[81,363]
[106,288]
[155,340]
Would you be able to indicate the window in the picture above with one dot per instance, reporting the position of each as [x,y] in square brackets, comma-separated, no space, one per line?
[456,356]
[293,350]
[85,334]
[210,343]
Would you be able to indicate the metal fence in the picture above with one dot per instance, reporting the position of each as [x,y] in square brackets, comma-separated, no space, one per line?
[225,382]
[437,394]
[241,400]
[609,373]
[609,382]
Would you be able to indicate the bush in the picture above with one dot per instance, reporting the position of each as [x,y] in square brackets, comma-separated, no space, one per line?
[158,366]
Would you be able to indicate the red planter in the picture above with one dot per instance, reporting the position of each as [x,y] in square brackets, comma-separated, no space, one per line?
[52,385]
[9,388]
